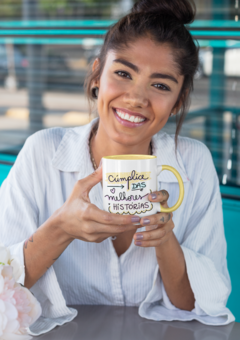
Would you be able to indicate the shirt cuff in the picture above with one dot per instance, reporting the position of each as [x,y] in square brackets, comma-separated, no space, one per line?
[16,251]
[48,292]
[209,290]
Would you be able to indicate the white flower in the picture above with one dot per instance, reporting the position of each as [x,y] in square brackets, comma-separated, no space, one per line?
[19,309]
[6,258]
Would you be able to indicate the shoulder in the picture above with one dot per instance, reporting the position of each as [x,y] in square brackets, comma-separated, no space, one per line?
[197,159]
[49,139]
[188,149]
[41,146]
[193,150]
[39,149]
[54,145]
[46,139]
[194,156]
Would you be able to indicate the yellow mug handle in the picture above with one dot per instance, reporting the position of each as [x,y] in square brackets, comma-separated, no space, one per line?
[181,188]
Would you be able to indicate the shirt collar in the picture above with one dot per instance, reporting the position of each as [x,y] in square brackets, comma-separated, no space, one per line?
[73,154]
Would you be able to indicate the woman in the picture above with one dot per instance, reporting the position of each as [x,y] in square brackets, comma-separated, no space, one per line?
[174,266]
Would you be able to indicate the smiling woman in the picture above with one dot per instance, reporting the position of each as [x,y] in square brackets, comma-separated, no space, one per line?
[173,267]
[150,42]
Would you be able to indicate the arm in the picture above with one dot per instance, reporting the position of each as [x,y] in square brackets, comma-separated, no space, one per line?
[77,218]
[200,234]
[173,271]
[38,245]
[169,255]
[43,248]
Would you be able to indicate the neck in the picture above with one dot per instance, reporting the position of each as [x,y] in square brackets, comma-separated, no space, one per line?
[101,146]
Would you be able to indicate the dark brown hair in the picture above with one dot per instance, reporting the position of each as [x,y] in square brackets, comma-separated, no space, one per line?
[163,21]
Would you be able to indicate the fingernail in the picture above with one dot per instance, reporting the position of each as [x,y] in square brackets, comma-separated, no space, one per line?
[138,243]
[139,237]
[146,221]
[135,219]
[100,163]
[153,196]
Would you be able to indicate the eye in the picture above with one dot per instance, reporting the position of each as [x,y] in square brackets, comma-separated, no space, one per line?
[123,74]
[162,87]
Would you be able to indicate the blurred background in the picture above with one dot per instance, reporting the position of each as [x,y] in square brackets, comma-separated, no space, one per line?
[46,47]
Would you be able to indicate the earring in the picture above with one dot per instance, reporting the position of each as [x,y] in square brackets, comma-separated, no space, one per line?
[95,92]
[172,114]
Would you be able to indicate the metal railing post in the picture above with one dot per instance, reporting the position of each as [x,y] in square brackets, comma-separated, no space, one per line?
[34,72]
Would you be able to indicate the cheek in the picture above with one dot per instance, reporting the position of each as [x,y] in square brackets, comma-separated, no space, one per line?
[110,87]
[163,106]
[110,90]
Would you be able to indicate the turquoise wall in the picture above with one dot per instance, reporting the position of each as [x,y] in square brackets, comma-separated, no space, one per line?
[231,211]
[4,170]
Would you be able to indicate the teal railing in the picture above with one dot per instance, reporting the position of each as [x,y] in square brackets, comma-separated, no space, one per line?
[208,33]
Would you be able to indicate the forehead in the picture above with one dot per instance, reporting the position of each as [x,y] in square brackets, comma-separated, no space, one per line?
[148,56]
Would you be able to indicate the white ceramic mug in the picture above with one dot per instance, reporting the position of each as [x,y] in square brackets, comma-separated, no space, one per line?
[127,182]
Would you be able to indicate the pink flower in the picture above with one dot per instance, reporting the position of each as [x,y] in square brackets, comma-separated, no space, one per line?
[18,307]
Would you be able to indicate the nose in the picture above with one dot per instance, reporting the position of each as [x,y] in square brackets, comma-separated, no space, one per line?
[136,97]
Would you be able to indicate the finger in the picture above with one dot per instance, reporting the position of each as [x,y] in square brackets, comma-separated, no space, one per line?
[152,238]
[164,204]
[86,184]
[159,219]
[151,227]
[159,196]
[114,230]
[94,231]
[93,213]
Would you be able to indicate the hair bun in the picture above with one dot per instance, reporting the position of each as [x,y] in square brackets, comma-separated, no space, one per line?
[183,10]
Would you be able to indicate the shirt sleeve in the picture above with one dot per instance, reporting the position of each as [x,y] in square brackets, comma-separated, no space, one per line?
[19,220]
[204,249]
[18,208]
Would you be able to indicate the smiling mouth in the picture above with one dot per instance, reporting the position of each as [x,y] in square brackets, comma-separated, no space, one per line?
[128,117]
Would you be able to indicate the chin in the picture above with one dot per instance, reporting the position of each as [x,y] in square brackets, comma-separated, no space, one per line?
[126,140]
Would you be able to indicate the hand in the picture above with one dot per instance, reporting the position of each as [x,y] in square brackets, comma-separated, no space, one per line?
[159,227]
[80,219]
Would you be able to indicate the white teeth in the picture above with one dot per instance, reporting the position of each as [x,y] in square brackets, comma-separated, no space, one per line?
[128,117]
[135,120]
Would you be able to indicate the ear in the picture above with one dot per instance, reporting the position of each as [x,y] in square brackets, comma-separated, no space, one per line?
[95,65]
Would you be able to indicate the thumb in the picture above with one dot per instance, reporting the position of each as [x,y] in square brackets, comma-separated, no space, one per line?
[87,183]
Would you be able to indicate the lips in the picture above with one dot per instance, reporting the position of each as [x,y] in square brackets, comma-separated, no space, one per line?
[131,113]
[136,119]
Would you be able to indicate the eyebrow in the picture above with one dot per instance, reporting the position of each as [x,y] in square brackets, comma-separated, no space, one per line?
[136,69]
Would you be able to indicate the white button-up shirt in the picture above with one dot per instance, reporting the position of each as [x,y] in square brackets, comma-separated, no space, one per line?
[41,180]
